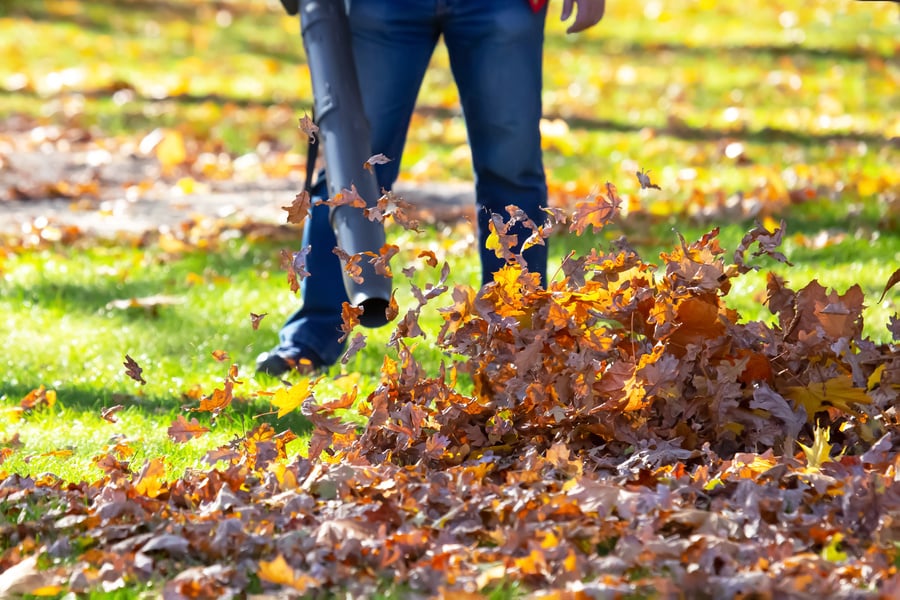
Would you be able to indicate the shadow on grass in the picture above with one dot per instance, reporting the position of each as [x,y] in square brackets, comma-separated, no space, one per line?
[76,399]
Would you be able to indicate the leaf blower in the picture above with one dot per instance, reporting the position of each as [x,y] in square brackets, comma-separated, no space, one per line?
[344,132]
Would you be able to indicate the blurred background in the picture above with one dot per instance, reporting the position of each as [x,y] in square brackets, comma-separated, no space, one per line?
[736,109]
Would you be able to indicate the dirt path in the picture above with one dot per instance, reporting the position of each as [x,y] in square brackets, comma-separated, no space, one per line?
[99,194]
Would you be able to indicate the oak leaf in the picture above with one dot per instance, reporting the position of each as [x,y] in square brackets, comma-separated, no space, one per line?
[182,430]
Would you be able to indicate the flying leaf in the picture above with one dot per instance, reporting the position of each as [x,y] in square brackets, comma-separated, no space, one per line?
[133,370]
[349,318]
[220,355]
[287,399]
[307,126]
[346,197]
[893,280]
[182,430]
[298,210]
[644,179]
[356,344]
[376,159]
[109,414]
[351,264]
[597,211]
[255,320]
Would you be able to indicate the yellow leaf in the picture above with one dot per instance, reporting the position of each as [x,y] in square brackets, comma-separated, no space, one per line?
[832,552]
[152,479]
[279,572]
[288,399]
[171,151]
[875,377]
[820,452]
[837,392]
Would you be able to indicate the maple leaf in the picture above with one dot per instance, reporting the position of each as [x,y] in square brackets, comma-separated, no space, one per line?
[820,451]
[307,126]
[298,210]
[133,370]
[220,355]
[255,319]
[597,211]
[837,392]
[182,430]
[288,399]
[644,179]
[375,159]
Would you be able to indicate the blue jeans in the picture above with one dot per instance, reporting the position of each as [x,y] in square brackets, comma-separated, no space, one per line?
[495,49]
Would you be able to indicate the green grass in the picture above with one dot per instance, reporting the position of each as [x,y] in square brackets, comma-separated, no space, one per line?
[807,89]
[62,334]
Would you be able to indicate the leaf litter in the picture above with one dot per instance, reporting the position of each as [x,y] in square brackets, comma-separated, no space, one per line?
[627,435]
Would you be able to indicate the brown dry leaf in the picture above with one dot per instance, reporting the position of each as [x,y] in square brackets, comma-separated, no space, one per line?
[356,344]
[644,179]
[133,370]
[308,127]
[597,211]
[893,280]
[182,430]
[298,210]
[349,318]
[351,264]
[109,414]
[375,159]
[37,398]
[255,319]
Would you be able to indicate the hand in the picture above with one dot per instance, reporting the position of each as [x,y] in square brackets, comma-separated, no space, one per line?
[589,13]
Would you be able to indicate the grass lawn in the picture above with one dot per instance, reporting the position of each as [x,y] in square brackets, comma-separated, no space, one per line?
[760,110]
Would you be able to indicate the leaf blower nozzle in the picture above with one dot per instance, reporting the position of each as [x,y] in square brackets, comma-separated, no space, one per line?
[344,133]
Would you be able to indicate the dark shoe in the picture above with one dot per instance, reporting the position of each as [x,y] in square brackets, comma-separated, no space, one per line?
[276,365]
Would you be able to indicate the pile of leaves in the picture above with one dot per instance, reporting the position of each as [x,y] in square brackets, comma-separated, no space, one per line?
[628,436]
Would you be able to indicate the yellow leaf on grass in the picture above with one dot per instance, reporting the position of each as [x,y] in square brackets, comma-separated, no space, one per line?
[837,392]
[288,399]
[278,571]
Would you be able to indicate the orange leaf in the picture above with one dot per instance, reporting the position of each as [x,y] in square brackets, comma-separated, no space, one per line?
[181,430]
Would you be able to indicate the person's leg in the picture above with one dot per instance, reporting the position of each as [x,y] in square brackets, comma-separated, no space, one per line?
[392,42]
[496,52]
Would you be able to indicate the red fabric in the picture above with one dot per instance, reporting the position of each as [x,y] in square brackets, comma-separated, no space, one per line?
[537,5]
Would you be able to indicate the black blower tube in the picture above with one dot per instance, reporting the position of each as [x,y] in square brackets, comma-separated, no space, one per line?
[344,132]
